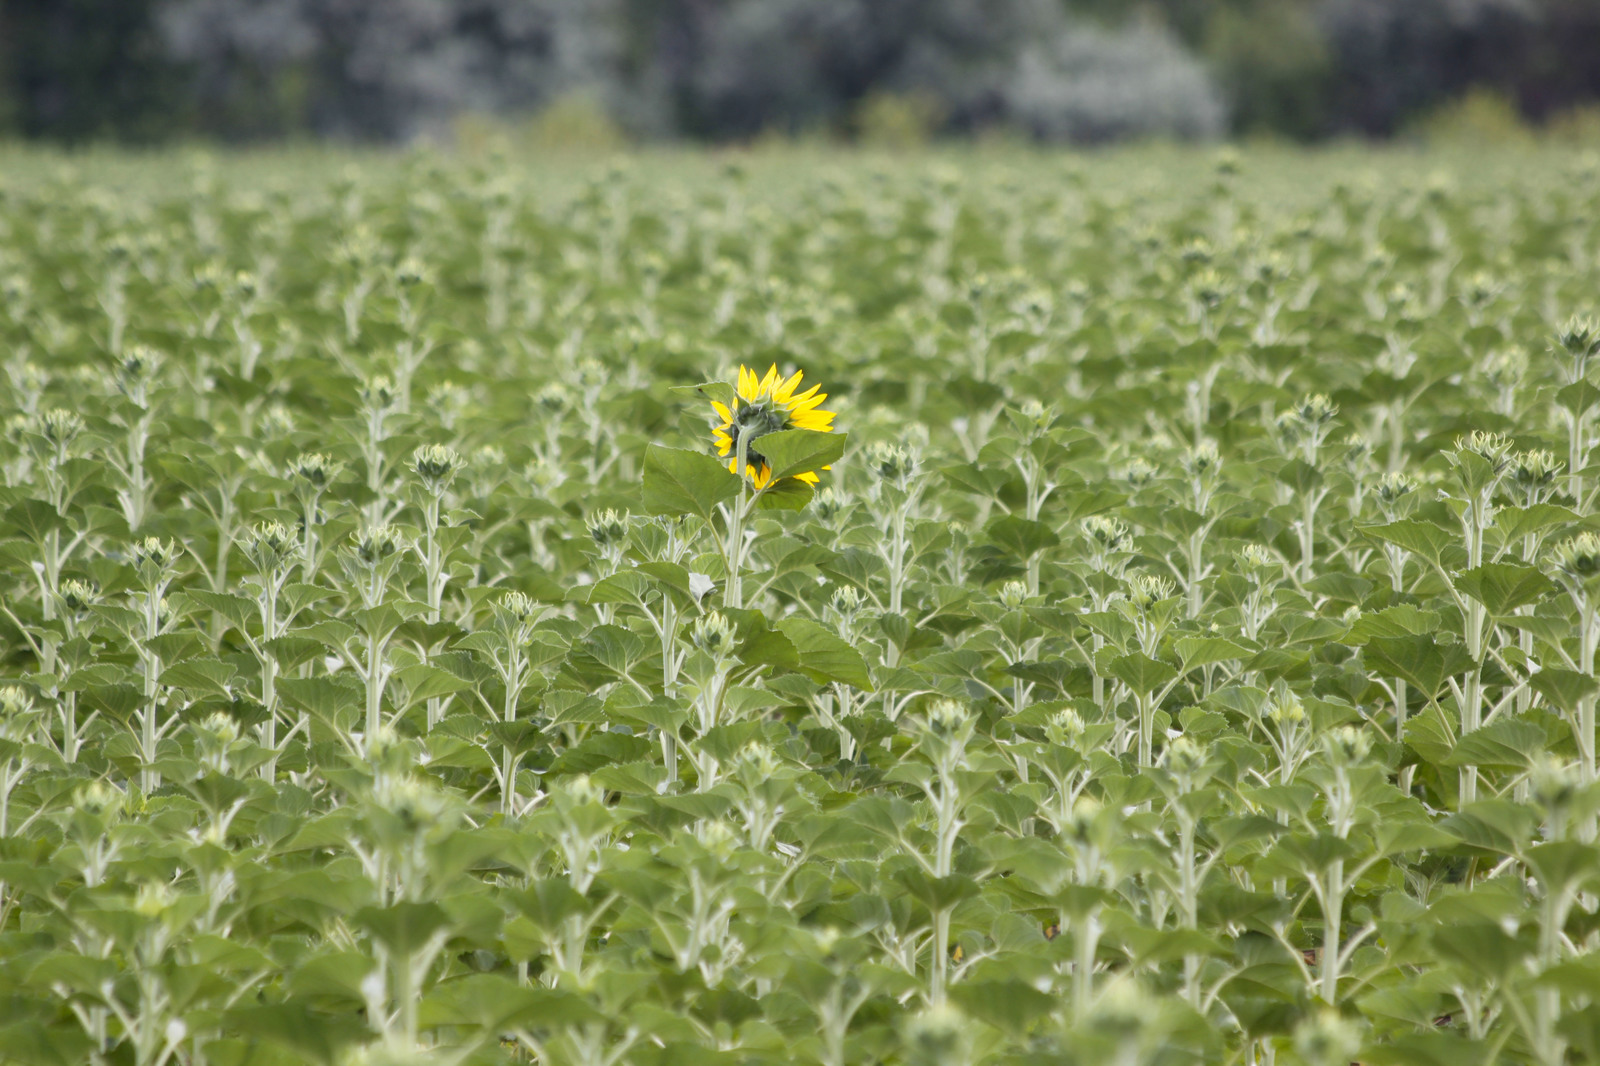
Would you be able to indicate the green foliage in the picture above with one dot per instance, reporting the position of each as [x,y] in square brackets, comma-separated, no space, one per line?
[1188,655]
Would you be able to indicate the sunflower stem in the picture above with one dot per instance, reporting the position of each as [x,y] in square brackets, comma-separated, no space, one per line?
[733,593]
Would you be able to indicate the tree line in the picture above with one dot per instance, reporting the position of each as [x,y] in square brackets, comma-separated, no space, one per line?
[1084,71]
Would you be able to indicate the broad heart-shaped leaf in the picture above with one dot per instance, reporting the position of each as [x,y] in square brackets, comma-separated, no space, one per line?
[1022,538]
[1423,539]
[677,482]
[1503,587]
[236,609]
[1578,397]
[790,494]
[199,677]
[403,928]
[1417,660]
[1480,948]
[824,655]
[322,697]
[799,451]
[1495,825]
[1562,864]
[34,519]
[1196,652]
[1009,1005]
[1503,744]
[1141,673]
[625,586]
[1401,620]
[762,646]
[1514,523]
[720,391]
[314,1036]
[548,902]
[1563,688]
[490,1001]
[935,893]
[424,681]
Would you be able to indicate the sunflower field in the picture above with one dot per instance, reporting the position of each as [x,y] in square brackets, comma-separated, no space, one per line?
[1136,610]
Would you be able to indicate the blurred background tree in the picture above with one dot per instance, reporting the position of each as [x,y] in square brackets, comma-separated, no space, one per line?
[1075,70]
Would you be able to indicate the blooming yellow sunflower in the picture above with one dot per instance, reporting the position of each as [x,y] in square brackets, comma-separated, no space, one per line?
[767,405]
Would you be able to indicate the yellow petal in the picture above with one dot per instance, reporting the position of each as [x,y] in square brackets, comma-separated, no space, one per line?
[786,388]
[722,412]
[819,421]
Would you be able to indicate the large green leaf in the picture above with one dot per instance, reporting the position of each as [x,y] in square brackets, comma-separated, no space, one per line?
[799,451]
[1021,538]
[1503,587]
[1433,543]
[679,482]
[1141,673]
[824,655]
[1418,659]
[1503,744]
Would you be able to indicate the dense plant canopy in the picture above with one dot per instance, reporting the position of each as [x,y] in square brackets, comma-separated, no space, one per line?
[1178,647]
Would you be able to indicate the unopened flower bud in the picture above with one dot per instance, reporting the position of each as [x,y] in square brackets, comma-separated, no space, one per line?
[1064,728]
[410,272]
[1494,448]
[1285,708]
[377,392]
[608,528]
[1013,594]
[78,596]
[1202,460]
[1185,759]
[554,398]
[1580,336]
[373,545]
[437,465]
[14,700]
[1506,369]
[1327,1039]
[271,546]
[1147,590]
[154,555]
[153,900]
[1534,470]
[1346,745]
[314,469]
[892,462]
[1395,485]
[1578,557]
[828,504]
[846,600]
[1038,416]
[1257,558]
[1138,473]
[60,426]
[97,797]
[1106,533]
[515,609]
[714,635]
[1209,289]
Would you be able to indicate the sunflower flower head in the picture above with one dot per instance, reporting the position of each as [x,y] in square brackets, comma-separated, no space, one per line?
[765,405]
